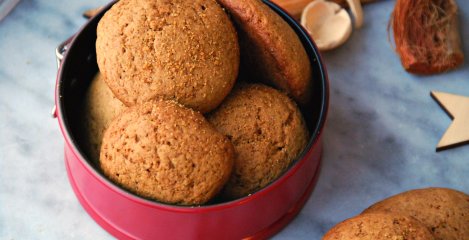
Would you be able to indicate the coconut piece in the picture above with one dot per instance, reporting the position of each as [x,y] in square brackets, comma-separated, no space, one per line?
[329,24]
[295,7]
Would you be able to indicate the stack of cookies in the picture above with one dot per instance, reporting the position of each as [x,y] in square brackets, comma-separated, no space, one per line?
[179,112]
[432,213]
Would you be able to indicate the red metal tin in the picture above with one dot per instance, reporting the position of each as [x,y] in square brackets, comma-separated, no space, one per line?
[127,216]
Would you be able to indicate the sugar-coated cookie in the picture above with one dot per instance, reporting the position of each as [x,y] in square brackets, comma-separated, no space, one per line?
[444,211]
[268,133]
[100,108]
[183,50]
[379,226]
[270,49]
[166,152]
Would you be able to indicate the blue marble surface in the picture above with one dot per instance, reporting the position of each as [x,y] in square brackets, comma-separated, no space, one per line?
[380,138]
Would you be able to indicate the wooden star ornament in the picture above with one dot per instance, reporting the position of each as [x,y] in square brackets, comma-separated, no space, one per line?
[457,107]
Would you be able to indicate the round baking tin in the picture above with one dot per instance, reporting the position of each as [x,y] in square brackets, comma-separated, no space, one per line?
[127,216]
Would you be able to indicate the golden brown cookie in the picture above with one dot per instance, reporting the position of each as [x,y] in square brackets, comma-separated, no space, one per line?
[164,151]
[267,131]
[445,212]
[270,50]
[379,226]
[100,108]
[183,50]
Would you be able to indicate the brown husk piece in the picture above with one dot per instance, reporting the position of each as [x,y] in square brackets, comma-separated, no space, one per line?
[426,35]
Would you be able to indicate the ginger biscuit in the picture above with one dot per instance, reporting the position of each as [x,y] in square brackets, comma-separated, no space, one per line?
[164,151]
[267,131]
[270,49]
[383,226]
[444,211]
[182,50]
[100,108]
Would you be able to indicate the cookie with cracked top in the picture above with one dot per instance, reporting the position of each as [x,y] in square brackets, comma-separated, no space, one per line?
[444,211]
[164,151]
[268,133]
[381,226]
[183,50]
[270,49]
[100,107]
